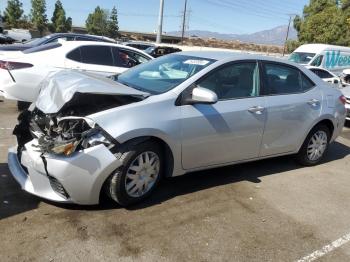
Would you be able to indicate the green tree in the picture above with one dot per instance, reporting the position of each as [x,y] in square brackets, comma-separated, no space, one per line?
[13,13]
[112,24]
[96,23]
[38,14]
[25,22]
[292,45]
[59,21]
[69,23]
[323,21]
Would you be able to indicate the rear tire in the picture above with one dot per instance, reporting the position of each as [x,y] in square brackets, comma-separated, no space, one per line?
[139,175]
[314,147]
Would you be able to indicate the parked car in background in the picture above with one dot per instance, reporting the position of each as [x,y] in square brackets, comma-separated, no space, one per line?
[53,38]
[157,51]
[19,35]
[327,76]
[330,57]
[20,76]
[173,115]
[4,39]
[139,45]
[346,93]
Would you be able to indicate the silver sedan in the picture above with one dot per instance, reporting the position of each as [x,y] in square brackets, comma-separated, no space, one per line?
[177,114]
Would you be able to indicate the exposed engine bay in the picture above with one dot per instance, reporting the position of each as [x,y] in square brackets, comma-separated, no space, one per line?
[69,129]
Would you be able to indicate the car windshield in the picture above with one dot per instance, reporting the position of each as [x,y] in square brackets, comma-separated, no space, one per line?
[163,74]
[301,58]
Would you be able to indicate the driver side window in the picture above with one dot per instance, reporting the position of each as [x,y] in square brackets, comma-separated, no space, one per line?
[128,59]
[233,81]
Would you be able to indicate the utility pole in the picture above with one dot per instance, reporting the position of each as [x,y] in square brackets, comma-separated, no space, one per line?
[184,23]
[285,42]
[160,22]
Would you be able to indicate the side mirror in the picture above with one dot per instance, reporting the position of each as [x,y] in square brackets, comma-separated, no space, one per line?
[335,81]
[201,95]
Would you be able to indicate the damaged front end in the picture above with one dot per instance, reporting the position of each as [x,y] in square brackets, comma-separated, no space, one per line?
[59,120]
[60,135]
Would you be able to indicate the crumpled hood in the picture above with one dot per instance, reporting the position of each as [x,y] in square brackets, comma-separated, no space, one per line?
[59,88]
[346,91]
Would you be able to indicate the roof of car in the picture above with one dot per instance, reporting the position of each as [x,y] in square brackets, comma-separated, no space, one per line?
[82,35]
[72,34]
[223,55]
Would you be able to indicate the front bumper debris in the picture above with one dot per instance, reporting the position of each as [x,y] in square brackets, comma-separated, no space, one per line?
[75,179]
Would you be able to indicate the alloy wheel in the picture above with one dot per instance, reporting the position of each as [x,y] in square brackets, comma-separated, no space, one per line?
[317,145]
[142,174]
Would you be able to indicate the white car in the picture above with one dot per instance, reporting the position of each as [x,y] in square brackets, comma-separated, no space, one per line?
[346,93]
[22,74]
[20,35]
[326,76]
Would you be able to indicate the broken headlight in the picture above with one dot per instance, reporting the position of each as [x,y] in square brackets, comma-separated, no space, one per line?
[91,138]
[72,134]
[95,139]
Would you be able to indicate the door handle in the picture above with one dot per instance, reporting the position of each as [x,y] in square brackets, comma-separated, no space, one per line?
[256,110]
[313,102]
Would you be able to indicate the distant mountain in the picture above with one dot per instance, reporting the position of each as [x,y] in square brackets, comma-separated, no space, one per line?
[274,36]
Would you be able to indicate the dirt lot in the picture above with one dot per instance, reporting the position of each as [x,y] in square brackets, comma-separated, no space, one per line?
[270,210]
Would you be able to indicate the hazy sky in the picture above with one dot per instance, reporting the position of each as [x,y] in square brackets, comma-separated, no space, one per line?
[225,16]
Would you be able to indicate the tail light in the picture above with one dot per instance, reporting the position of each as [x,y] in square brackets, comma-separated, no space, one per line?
[8,65]
[342,99]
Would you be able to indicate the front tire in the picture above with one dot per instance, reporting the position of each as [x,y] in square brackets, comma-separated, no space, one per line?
[139,174]
[315,146]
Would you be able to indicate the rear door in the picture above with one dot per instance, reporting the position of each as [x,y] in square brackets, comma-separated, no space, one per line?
[293,103]
[96,59]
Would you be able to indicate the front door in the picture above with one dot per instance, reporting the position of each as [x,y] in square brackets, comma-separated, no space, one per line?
[230,130]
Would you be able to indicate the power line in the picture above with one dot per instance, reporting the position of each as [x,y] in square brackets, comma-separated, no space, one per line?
[262,9]
[247,12]
[216,25]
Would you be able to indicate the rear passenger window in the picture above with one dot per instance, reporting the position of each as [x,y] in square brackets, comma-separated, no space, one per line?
[80,38]
[74,55]
[97,55]
[233,81]
[322,73]
[282,79]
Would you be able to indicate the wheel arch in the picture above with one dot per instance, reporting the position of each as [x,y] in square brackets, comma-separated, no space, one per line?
[325,121]
[166,149]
